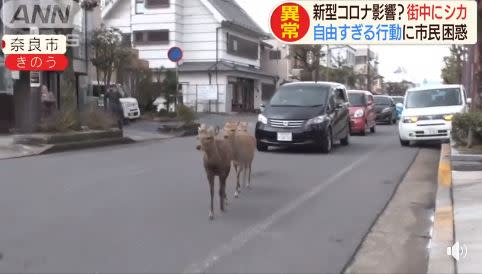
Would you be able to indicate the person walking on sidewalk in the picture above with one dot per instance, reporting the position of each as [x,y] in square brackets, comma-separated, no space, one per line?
[47,98]
[115,106]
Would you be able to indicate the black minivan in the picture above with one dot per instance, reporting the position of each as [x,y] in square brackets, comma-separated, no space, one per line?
[305,113]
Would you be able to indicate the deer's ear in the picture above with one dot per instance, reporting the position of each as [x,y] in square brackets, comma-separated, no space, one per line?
[198,147]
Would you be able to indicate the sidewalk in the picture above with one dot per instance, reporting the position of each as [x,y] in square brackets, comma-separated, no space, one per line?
[458,216]
[10,150]
[467,195]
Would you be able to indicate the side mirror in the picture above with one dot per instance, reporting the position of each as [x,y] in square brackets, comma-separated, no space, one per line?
[261,107]
[469,101]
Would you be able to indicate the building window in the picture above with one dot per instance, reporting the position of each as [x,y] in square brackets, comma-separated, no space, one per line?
[151,37]
[156,4]
[139,36]
[241,47]
[140,8]
[274,54]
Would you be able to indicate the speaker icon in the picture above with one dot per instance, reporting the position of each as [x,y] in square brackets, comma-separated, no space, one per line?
[457,251]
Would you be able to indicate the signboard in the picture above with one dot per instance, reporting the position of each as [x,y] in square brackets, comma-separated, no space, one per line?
[35,79]
[205,93]
[175,54]
[34,44]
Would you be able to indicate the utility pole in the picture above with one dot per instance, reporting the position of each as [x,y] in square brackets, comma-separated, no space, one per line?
[368,69]
[328,59]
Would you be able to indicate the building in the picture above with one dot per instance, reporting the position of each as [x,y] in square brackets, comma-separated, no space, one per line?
[339,56]
[20,102]
[222,46]
[366,64]
[275,59]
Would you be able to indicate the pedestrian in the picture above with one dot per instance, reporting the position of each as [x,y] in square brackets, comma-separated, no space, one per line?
[47,98]
[115,106]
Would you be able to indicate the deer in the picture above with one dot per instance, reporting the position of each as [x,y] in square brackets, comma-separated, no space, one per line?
[243,146]
[217,157]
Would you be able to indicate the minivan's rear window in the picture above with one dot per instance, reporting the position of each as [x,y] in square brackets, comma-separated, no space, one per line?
[433,98]
[382,100]
[357,99]
[300,96]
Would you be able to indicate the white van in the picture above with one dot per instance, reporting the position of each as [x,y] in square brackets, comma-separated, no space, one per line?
[428,112]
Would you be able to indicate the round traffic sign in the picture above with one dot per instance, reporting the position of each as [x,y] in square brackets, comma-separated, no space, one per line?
[174,54]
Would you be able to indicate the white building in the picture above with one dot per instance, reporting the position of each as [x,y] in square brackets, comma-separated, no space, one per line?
[339,56]
[366,64]
[221,68]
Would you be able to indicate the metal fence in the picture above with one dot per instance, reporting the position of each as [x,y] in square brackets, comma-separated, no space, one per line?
[205,98]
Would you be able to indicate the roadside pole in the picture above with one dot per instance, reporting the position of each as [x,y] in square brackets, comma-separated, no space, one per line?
[177,85]
[175,55]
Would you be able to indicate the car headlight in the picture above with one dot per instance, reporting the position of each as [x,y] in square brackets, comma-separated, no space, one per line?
[262,119]
[385,110]
[448,117]
[316,120]
[410,119]
[359,113]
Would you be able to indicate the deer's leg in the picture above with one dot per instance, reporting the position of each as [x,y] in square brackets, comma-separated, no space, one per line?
[211,191]
[249,175]
[245,177]
[222,191]
[238,186]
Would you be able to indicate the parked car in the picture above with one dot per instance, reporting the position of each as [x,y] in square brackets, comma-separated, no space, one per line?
[428,112]
[385,109]
[362,114]
[398,100]
[130,105]
[305,113]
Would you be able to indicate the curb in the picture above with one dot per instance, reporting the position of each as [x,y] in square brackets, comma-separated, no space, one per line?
[443,223]
[87,144]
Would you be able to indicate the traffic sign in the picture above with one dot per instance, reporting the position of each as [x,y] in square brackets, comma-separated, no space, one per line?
[175,54]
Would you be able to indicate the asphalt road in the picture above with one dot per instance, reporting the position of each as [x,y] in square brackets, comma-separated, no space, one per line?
[143,208]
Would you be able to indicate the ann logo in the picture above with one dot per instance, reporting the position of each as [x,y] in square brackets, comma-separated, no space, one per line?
[40,13]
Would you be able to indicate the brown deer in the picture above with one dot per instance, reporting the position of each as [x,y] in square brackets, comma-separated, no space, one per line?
[243,146]
[217,159]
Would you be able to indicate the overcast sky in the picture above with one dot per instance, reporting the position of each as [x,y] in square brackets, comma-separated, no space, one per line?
[420,62]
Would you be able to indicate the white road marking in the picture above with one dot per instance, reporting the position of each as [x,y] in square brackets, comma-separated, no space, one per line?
[251,232]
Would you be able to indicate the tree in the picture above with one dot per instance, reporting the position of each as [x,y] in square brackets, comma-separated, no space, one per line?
[169,87]
[397,88]
[149,91]
[309,57]
[68,79]
[108,53]
[453,65]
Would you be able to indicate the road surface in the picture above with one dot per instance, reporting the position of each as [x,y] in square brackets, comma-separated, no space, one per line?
[143,208]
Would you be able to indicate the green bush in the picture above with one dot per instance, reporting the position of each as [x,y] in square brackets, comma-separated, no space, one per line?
[186,114]
[97,119]
[60,121]
[461,125]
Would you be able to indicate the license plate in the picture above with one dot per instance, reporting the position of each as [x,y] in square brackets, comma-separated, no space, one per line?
[432,131]
[285,136]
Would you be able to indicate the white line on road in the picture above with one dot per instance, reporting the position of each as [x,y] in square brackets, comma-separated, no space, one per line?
[251,232]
